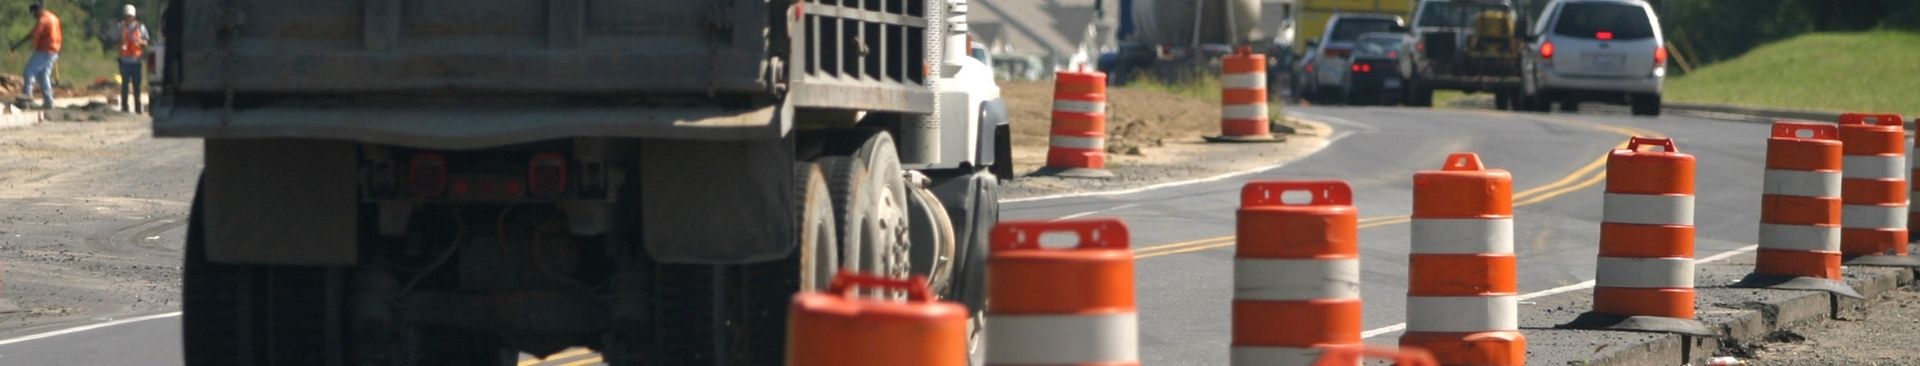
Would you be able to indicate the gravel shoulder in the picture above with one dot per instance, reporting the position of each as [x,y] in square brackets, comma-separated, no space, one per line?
[1152,137]
[1884,334]
[94,211]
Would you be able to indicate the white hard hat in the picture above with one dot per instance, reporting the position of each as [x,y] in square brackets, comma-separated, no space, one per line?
[129,10]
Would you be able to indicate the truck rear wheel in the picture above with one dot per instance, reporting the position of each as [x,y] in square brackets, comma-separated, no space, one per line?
[818,254]
[257,314]
[869,201]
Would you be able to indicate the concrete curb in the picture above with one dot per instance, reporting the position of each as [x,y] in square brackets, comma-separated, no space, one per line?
[11,118]
[1756,114]
[1743,317]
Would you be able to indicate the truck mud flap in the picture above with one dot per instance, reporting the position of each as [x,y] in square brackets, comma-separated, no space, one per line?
[717,202]
[280,201]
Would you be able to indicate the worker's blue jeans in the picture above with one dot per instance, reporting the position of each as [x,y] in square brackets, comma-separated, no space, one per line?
[40,71]
[130,84]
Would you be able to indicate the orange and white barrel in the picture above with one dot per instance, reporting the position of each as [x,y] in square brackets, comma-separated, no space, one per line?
[1296,273]
[1079,134]
[1243,95]
[1061,306]
[836,328]
[1646,233]
[1461,287]
[1873,185]
[1800,202]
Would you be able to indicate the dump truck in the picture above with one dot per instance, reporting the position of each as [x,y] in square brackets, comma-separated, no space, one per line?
[1466,45]
[460,182]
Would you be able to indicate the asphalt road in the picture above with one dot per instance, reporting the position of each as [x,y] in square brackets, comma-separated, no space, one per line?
[1182,233]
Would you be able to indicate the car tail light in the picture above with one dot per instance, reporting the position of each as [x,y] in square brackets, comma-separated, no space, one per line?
[547,175]
[427,175]
[1362,68]
[1546,50]
[1393,54]
[1420,46]
[1659,56]
[1603,35]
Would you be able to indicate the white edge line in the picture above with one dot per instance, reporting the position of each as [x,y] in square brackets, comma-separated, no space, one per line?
[1564,289]
[84,328]
[1317,149]
[1090,213]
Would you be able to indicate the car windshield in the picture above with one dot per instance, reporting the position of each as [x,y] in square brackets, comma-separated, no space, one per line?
[1372,45]
[1349,29]
[1589,20]
[1454,13]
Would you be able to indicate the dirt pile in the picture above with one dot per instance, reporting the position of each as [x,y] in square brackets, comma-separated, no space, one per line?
[1136,119]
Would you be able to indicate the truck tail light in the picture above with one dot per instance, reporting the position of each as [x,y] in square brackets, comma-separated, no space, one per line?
[547,175]
[1659,56]
[427,175]
[1546,50]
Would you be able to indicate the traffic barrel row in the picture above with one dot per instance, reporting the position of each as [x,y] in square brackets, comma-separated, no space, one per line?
[1873,190]
[1800,211]
[1643,278]
[1077,144]
[1243,98]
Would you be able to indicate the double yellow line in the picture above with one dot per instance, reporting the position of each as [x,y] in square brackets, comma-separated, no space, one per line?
[1586,176]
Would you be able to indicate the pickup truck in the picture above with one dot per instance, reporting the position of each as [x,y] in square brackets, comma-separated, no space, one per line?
[459,182]
[1466,45]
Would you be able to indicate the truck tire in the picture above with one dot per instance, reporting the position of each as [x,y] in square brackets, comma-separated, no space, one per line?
[1646,105]
[869,201]
[818,254]
[255,314]
[1422,95]
[1002,152]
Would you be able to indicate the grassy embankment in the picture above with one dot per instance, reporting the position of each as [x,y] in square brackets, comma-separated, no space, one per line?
[1870,71]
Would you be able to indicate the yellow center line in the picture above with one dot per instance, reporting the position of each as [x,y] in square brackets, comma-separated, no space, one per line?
[1591,171]
[569,353]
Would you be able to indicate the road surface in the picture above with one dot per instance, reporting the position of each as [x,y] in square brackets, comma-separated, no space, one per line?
[1182,232]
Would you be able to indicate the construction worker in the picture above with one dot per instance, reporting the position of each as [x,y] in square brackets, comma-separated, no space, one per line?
[46,49]
[133,41]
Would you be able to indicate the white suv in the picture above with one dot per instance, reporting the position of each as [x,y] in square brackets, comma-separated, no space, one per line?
[1595,50]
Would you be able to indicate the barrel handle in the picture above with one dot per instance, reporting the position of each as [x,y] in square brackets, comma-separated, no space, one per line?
[1883,119]
[1269,193]
[846,281]
[1463,161]
[1092,233]
[1820,131]
[1634,144]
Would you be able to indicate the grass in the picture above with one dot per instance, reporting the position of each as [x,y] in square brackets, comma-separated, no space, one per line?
[1204,86]
[1867,72]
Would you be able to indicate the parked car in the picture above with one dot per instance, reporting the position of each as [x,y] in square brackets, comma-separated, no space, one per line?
[1607,51]
[1323,71]
[1382,65]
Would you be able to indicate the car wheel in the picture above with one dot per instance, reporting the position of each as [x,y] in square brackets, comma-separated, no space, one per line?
[1646,105]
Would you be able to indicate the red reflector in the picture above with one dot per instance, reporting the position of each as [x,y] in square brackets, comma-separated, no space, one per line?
[1546,50]
[547,175]
[1603,35]
[427,175]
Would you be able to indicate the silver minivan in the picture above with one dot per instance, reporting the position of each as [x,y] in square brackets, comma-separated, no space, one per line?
[1595,50]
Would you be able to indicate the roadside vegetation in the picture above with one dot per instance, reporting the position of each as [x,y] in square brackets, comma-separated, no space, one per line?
[1867,71]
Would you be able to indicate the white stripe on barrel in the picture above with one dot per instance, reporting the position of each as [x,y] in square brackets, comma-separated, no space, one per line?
[1648,209]
[1874,167]
[1873,217]
[1801,183]
[1799,237]
[1462,236]
[1460,314]
[1250,355]
[1062,339]
[1077,106]
[1644,272]
[1243,111]
[1245,80]
[1077,142]
[1296,279]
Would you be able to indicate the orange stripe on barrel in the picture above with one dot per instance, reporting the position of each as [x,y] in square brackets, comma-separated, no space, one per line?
[1796,210]
[1873,191]
[1821,264]
[1664,302]
[1042,281]
[1243,96]
[1873,140]
[1463,194]
[1503,348]
[1461,274]
[1301,324]
[1873,241]
[1645,241]
[1243,63]
[1290,232]
[1804,155]
[1079,124]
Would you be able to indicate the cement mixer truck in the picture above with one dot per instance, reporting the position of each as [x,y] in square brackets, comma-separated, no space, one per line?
[460,182]
[1171,39]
